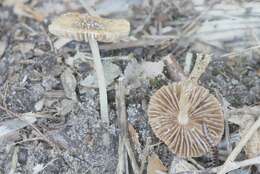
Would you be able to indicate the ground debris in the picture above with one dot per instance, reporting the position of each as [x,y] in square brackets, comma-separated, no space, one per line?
[3,45]
[137,73]
[69,84]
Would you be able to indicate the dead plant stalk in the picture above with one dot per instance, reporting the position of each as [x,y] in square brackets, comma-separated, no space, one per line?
[124,140]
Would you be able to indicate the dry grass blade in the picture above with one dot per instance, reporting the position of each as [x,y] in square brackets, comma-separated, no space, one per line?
[131,155]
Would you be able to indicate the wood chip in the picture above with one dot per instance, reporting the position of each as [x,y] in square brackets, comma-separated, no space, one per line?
[155,165]
[133,135]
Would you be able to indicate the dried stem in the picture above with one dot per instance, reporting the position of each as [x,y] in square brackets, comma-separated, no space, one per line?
[101,84]
[145,154]
[122,121]
[121,111]
[131,155]
[199,67]
[239,147]
[121,157]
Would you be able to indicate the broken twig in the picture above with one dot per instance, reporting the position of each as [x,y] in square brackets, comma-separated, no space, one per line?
[121,111]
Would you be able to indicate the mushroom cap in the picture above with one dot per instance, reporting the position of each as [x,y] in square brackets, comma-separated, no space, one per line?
[186,138]
[80,27]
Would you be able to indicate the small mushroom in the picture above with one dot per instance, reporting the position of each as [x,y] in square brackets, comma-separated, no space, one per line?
[83,27]
[178,112]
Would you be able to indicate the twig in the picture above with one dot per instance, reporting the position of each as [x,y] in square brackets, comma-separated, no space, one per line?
[240,51]
[89,9]
[101,84]
[121,112]
[126,164]
[121,106]
[136,43]
[121,157]
[131,155]
[232,166]
[239,147]
[227,137]
[145,153]
[146,21]
[239,164]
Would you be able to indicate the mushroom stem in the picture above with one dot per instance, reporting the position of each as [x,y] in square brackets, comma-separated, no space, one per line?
[101,79]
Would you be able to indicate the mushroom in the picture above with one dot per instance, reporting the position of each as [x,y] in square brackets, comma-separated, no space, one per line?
[178,112]
[83,27]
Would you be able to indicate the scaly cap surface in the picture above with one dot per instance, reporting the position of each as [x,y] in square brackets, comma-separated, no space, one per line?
[82,26]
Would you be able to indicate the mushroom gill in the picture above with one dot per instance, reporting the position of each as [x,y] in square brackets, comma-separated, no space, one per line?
[177,113]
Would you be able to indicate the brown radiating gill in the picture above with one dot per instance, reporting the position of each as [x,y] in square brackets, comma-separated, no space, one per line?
[180,128]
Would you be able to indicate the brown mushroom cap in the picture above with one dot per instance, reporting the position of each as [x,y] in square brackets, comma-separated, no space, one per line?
[82,26]
[179,122]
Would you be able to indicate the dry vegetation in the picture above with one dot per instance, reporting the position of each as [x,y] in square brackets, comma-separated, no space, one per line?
[50,108]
